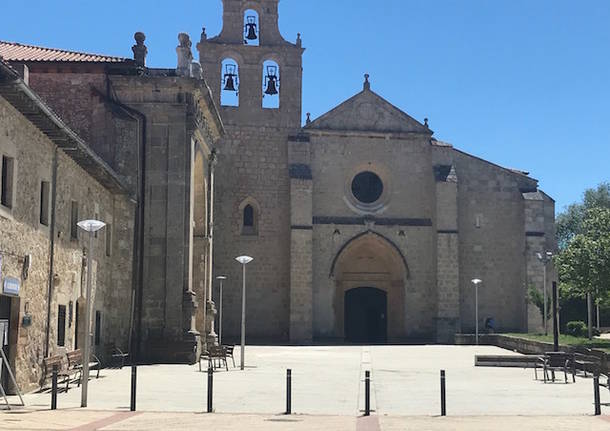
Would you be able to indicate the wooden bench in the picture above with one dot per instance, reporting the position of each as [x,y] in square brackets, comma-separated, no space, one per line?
[230,348]
[75,362]
[118,356]
[62,371]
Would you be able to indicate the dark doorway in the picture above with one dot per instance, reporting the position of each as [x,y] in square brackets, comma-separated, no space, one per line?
[366,315]
[5,316]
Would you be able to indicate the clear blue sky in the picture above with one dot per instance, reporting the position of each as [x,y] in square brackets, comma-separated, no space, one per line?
[525,84]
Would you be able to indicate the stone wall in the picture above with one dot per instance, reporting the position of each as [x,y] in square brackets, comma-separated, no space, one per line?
[22,233]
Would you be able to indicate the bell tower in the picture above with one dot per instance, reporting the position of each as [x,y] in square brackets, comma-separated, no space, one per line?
[254,73]
[255,78]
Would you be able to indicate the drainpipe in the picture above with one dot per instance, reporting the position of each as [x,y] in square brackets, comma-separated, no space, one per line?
[51,251]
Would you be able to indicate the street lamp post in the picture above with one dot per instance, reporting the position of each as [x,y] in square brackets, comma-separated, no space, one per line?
[90,226]
[545,259]
[476,283]
[221,278]
[244,260]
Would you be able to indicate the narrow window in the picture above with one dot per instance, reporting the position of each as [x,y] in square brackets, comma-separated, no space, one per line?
[8,166]
[74,220]
[248,216]
[271,85]
[229,86]
[98,327]
[76,326]
[96,216]
[108,239]
[61,326]
[44,202]
[251,28]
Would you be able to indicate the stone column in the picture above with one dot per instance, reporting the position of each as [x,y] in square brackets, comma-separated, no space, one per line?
[301,234]
[447,270]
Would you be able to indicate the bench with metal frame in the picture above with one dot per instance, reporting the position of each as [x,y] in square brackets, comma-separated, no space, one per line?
[214,354]
[559,361]
[75,362]
[63,372]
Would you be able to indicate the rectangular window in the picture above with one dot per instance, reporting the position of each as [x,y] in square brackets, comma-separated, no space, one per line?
[44,202]
[108,239]
[74,220]
[98,327]
[61,326]
[8,167]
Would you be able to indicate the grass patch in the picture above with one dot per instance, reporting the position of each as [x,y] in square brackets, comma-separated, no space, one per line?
[567,340]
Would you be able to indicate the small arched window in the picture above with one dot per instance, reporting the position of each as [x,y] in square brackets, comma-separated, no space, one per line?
[271,85]
[229,84]
[248,216]
[251,28]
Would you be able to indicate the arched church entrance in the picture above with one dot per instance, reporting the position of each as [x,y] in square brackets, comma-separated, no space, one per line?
[365,315]
[370,275]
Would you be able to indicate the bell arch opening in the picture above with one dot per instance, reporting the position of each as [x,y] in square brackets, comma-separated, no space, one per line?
[370,275]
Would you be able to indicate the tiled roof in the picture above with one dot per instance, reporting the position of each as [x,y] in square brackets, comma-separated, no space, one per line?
[12,51]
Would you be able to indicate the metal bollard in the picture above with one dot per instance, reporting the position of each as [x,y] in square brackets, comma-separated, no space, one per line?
[54,388]
[288,391]
[367,393]
[210,388]
[134,379]
[598,410]
[443,398]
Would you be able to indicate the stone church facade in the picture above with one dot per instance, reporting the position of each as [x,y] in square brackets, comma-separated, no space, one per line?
[363,226]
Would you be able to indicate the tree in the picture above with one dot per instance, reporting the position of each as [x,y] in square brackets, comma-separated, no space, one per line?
[584,263]
[570,222]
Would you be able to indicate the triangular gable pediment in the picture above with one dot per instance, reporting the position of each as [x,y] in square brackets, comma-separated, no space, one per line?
[367,111]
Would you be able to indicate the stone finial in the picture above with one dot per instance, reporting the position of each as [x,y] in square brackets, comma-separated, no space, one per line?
[204,36]
[308,118]
[139,49]
[367,84]
[299,41]
[185,56]
[426,122]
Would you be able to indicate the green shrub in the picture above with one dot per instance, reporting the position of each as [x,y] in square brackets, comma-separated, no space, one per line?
[577,328]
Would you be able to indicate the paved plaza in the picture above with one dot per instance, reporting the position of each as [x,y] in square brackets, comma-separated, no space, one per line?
[328,392]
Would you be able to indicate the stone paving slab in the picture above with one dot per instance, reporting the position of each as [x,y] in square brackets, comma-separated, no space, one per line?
[329,381]
[89,420]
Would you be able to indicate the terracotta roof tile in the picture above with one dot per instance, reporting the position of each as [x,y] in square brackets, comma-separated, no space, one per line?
[12,51]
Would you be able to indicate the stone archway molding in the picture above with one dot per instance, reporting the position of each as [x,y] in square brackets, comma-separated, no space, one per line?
[361,235]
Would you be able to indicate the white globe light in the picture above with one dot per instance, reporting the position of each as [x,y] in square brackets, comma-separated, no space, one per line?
[476,281]
[244,259]
[91,225]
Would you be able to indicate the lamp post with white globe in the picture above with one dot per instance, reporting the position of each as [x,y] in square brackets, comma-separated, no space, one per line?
[244,260]
[90,226]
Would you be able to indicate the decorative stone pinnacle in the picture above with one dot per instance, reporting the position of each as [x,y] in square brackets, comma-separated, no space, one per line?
[185,56]
[367,84]
[139,49]
[299,41]
[426,122]
[204,36]
[308,118]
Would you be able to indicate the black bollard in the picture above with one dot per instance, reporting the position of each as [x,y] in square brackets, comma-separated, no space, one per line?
[134,379]
[598,409]
[555,318]
[288,391]
[367,393]
[443,399]
[210,388]
[54,388]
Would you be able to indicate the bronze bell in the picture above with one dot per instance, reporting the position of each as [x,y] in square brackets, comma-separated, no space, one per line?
[230,78]
[251,28]
[272,80]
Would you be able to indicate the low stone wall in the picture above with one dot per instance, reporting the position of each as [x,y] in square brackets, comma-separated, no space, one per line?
[520,345]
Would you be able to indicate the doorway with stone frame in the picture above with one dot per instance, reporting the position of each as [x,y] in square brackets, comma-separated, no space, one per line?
[370,274]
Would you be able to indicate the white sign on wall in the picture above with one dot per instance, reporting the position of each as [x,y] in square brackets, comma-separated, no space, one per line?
[11,286]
